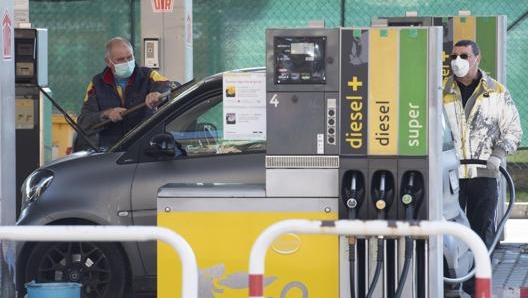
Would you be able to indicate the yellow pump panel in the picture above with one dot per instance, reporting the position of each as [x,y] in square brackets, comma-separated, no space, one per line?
[61,136]
[296,265]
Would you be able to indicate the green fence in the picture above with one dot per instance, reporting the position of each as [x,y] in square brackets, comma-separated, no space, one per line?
[230,34]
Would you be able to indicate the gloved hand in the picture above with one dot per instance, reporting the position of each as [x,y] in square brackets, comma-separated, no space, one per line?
[493,163]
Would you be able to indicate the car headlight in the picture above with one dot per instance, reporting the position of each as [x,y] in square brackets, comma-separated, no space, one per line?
[35,185]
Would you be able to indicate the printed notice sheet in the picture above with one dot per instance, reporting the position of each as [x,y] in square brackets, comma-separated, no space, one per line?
[244,106]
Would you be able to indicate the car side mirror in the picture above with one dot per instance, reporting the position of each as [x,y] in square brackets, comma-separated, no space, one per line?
[161,145]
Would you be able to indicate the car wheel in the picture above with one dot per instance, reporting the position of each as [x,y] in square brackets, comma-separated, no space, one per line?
[98,266]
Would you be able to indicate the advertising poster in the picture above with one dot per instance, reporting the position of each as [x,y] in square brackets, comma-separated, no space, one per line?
[244,106]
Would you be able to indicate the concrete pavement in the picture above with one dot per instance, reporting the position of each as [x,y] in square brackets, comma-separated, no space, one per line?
[510,262]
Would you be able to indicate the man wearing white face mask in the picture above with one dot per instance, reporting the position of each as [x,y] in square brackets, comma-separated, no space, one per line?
[486,126]
[122,85]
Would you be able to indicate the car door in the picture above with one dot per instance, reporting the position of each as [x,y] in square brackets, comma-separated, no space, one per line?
[203,155]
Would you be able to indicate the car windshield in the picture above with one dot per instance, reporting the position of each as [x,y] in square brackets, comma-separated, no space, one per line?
[203,118]
[200,131]
[176,94]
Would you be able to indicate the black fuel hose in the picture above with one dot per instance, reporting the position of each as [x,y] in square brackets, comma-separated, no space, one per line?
[409,247]
[381,204]
[409,241]
[352,262]
[377,272]
[502,222]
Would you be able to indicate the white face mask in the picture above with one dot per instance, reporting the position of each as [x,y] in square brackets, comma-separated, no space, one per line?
[460,67]
[124,70]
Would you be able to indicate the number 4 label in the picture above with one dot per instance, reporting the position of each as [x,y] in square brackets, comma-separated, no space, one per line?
[274,100]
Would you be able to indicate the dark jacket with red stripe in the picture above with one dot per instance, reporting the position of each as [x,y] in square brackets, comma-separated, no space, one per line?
[102,94]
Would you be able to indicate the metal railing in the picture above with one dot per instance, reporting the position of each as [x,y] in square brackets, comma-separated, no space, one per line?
[369,228]
[112,234]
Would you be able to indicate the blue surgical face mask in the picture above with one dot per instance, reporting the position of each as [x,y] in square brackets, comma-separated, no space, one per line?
[124,70]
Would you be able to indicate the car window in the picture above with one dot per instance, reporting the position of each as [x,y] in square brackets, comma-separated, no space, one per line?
[200,132]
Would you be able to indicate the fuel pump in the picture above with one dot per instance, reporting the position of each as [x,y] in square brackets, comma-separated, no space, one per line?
[390,117]
[33,112]
[349,112]
[353,119]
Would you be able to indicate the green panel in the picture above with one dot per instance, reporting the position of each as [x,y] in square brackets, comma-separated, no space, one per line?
[230,34]
[77,34]
[413,92]
[487,41]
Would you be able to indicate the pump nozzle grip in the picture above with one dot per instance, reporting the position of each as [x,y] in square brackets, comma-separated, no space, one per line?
[412,192]
[382,192]
[353,192]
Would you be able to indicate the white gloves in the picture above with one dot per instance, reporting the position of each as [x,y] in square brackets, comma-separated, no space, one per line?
[493,163]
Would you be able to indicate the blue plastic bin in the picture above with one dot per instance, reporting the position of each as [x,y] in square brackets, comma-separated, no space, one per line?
[53,290]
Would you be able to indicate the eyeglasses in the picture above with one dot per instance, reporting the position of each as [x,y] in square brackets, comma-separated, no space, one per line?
[463,56]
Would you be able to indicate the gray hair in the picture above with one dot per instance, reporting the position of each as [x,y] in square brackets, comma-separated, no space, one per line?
[117,40]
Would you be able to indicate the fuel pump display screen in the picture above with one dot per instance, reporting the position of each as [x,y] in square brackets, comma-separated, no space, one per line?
[25,58]
[300,60]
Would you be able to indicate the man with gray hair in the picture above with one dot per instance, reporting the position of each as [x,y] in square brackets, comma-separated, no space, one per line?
[121,86]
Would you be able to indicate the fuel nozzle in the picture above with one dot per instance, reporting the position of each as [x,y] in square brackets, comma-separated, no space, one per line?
[353,193]
[411,193]
[382,192]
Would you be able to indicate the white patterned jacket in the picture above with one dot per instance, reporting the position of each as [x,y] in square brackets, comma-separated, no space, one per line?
[488,125]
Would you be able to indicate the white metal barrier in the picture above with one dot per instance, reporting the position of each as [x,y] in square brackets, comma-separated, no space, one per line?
[369,228]
[113,234]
